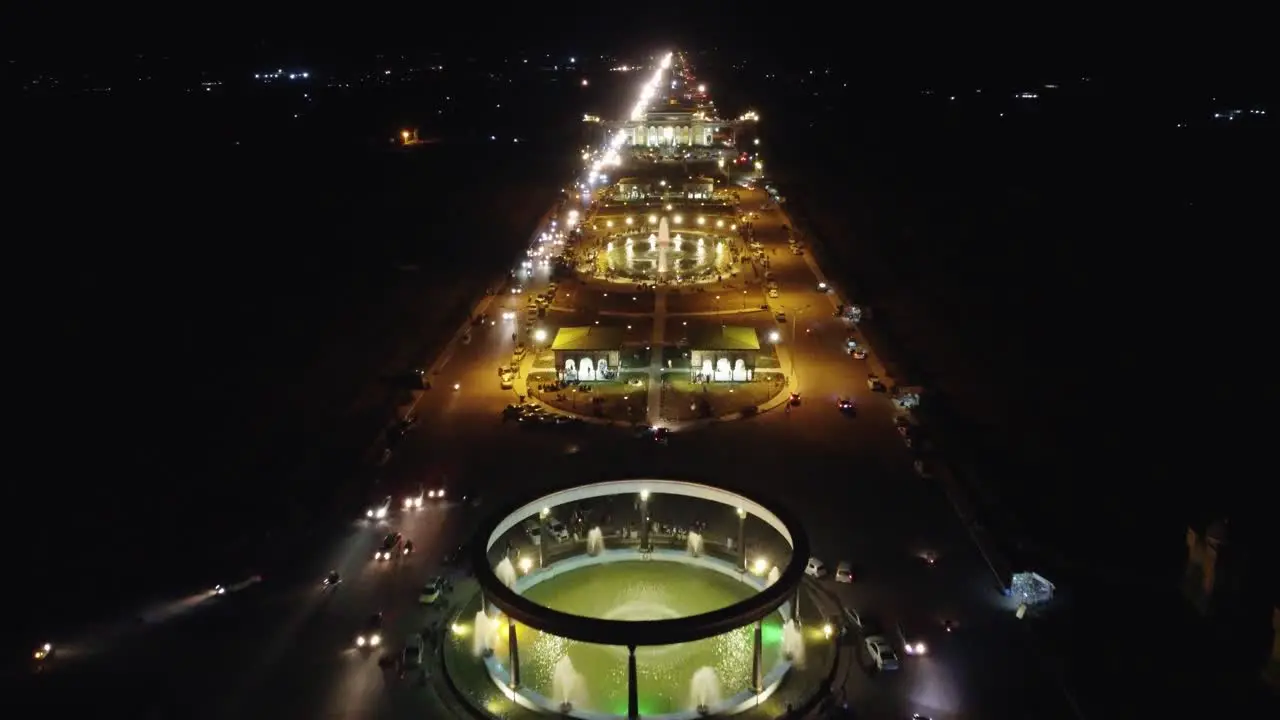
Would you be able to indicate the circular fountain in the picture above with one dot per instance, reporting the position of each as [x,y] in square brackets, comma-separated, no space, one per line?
[687,256]
[672,633]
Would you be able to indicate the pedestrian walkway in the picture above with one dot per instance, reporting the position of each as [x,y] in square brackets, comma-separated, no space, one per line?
[655,356]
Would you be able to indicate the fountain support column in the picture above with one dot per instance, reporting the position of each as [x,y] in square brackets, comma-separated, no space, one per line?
[795,608]
[757,658]
[633,693]
[514,649]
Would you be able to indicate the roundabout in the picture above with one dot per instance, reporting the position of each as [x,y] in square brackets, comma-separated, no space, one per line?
[630,625]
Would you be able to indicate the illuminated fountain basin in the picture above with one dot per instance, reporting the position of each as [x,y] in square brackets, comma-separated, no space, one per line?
[617,585]
[642,257]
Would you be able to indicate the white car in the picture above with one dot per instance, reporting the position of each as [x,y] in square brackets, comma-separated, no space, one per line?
[557,530]
[882,653]
[844,572]
[436,494]
[815,568]
[378,511]
[773,292]
[507,382]
[534,533]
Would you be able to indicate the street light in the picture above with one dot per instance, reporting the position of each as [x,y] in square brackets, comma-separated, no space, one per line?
[542,536]
[644,520]
[742,544]
[540,335]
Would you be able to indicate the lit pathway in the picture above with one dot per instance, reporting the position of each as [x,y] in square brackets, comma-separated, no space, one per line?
[655,356]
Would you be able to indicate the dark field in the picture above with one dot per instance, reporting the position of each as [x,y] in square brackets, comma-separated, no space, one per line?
[212,295]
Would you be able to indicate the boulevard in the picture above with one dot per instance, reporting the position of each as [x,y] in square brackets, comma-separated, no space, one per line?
[283,646]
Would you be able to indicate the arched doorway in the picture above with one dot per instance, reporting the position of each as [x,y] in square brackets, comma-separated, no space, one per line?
[723,373]
[586,370]
[739,370]
[602,369]
[570,371]
[705,372]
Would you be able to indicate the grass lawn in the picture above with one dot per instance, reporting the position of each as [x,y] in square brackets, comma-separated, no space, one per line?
[683,399]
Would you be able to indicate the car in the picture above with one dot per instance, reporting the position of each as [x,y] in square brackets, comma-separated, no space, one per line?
[431,591]
[773,293]
[534,532]
[371,635]
[507,382]
[414,501]
[379,510]
[435,494]
[823,287]
[557,530]
[44,652]
[780,317]
[844,572]
[661,435]
[858,353]
[874,383]
[845,405]
[793,398]
[815,568]
[411,656]
[390,547]
[912,639]
[881,653]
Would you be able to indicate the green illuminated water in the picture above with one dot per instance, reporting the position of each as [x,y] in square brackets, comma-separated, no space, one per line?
[637,591]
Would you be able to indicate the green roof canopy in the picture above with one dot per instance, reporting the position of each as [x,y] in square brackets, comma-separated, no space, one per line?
[725,337]
[589,337]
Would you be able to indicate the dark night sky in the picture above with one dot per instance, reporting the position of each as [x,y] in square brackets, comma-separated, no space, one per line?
[915,44]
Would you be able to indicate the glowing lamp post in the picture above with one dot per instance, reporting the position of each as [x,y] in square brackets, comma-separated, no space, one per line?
[644,520]
[742,536]
[542,539]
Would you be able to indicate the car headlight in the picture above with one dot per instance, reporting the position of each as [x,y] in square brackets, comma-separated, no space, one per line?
[368,513]
[375,640]
[382,512]
[440,493]
[921,649]
[408,503]
[360,641]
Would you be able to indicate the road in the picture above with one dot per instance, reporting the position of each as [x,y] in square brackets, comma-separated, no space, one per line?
[283,648]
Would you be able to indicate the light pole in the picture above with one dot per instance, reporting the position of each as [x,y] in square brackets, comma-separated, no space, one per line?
[795,322]
[542,536]
[742,537]
[644,520]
